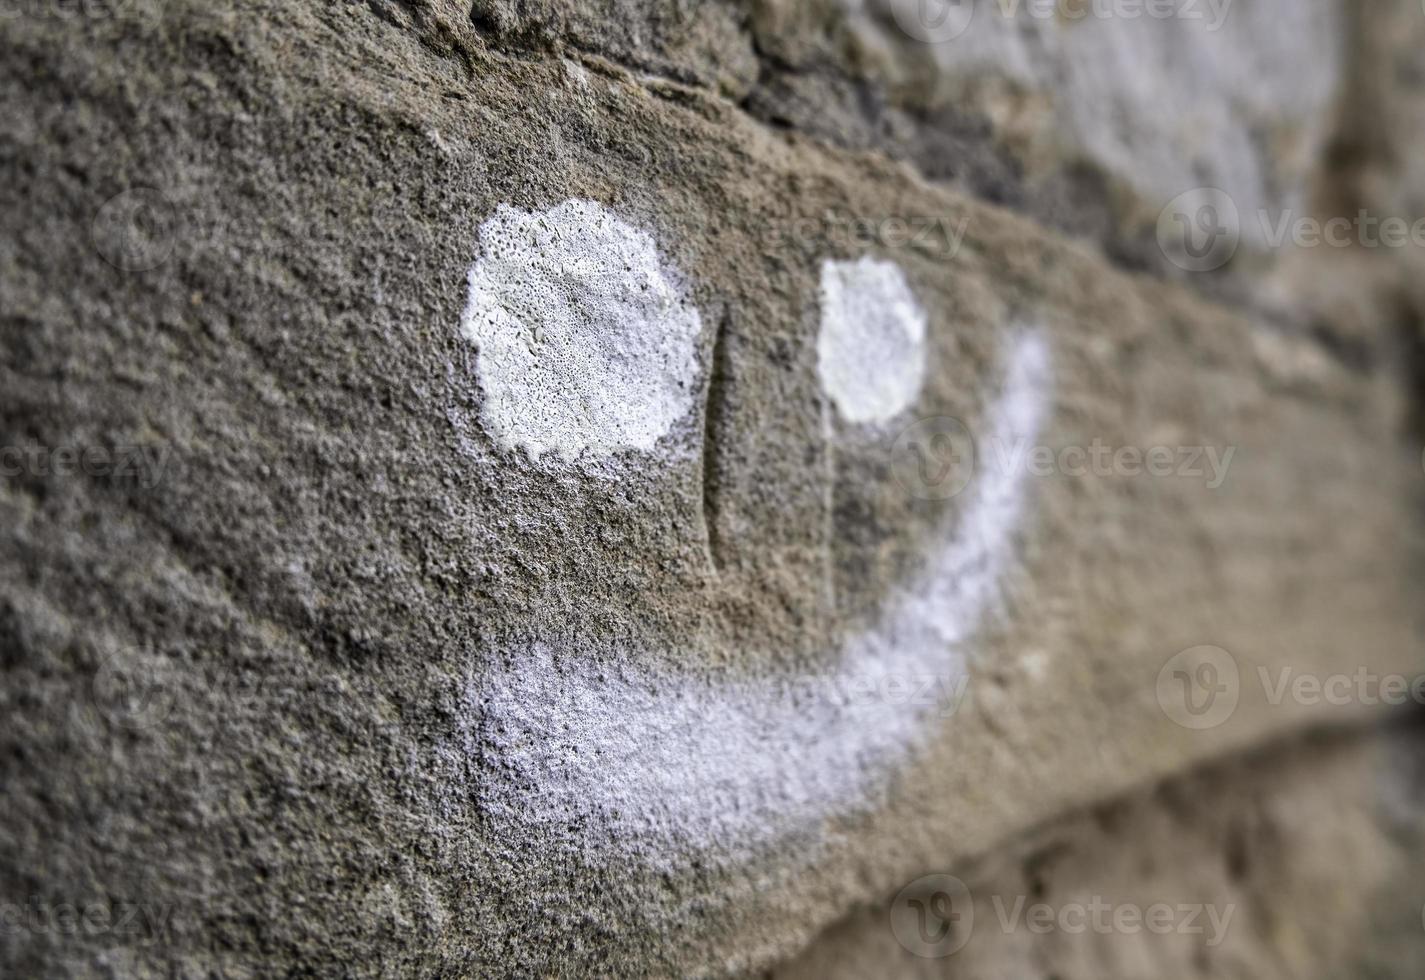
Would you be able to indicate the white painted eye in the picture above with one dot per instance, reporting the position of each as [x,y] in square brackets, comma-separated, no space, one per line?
[586,337]
[871,348]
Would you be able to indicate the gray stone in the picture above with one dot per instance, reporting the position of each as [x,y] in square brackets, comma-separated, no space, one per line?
[1295,861]
[308,664]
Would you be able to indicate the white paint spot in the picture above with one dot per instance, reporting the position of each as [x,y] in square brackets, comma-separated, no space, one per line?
[871,349]
[650,763]
[578,73]
[586,336]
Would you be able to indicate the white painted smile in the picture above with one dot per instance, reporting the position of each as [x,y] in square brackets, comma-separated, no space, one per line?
[649,762]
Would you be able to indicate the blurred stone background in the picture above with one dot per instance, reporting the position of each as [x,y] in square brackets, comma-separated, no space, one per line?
[299,655]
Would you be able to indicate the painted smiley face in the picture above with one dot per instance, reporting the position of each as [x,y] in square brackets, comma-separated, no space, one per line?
[648,762]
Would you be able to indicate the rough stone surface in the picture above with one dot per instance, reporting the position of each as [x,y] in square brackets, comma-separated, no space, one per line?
[1062,108]
[1297,861]
[335,679]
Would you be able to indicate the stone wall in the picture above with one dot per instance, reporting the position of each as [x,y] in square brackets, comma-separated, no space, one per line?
[628,488]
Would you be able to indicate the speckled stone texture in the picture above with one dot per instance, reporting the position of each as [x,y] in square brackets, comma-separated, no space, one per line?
[1297,860]
[276,593]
